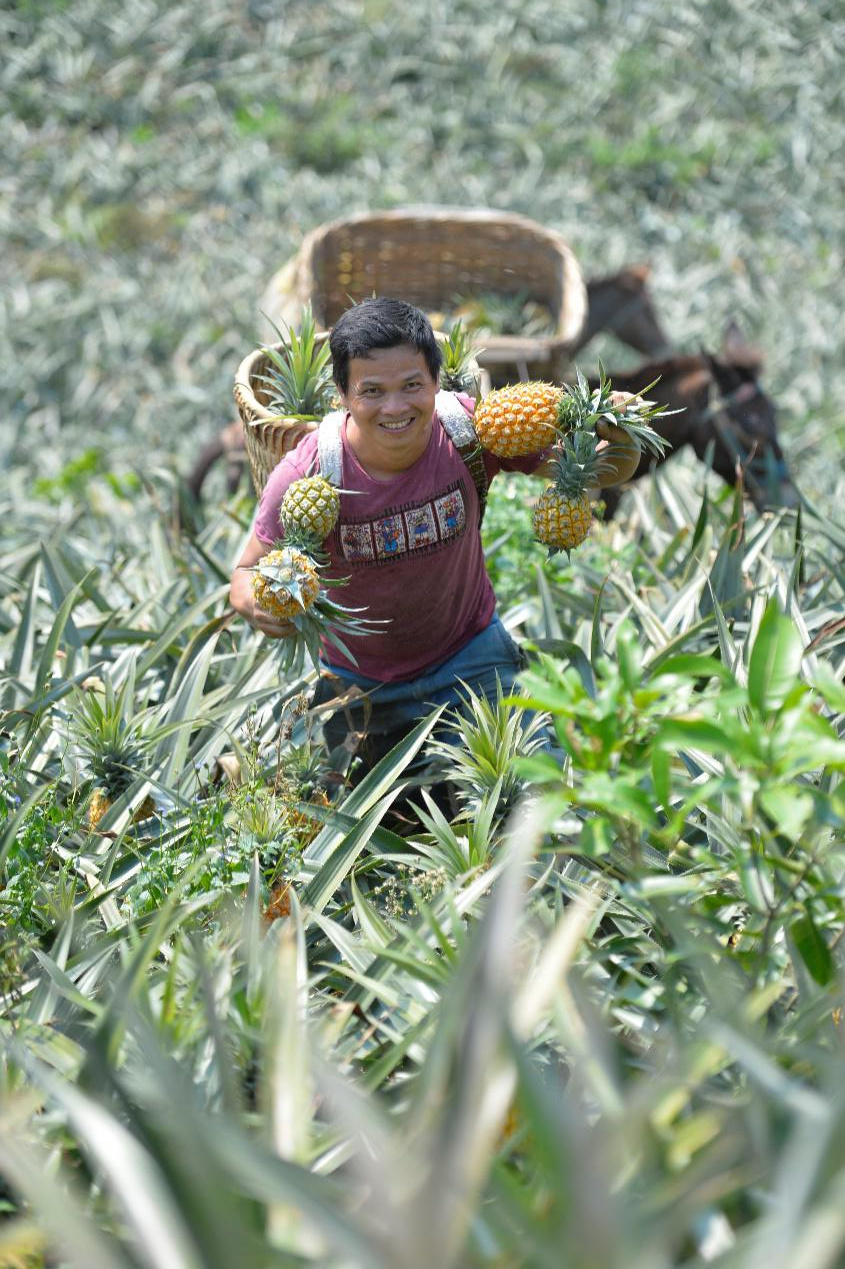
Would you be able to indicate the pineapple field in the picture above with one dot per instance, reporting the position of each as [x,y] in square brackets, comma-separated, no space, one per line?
[251,1014]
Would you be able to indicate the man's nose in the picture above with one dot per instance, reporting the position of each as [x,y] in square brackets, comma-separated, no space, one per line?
[393,405]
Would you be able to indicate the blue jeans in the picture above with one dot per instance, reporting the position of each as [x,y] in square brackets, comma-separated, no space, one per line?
[391,709]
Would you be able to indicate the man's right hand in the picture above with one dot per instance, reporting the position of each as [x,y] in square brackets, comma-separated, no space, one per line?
[243,601]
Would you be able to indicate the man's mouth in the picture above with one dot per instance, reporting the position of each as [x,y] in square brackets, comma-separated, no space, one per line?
[396,425]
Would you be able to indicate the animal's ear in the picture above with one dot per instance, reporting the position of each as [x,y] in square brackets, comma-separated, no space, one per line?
[725,374]
[639,273]
[738,352]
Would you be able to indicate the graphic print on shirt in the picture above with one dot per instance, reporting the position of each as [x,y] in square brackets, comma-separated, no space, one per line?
[418,527]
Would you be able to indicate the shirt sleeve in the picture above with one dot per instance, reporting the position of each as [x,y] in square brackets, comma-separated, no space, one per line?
[268,526]
[527,464]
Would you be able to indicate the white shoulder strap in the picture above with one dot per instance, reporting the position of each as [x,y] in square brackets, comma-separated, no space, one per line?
[330,448]
[457,422]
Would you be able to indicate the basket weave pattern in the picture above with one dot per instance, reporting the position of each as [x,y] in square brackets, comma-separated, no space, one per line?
[428,258]
[268,437]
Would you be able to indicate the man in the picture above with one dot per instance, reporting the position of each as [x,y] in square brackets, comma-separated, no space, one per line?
[408,537]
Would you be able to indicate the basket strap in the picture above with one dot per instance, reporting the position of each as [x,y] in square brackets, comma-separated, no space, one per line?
[330,448]
[458,426]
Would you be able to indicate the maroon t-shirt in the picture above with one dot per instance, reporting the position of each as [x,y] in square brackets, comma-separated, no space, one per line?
[410,548]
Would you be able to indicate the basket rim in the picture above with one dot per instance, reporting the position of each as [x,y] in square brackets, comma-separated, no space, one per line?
[573,312]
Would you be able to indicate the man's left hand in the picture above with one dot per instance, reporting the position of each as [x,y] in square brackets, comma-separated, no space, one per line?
[620,465]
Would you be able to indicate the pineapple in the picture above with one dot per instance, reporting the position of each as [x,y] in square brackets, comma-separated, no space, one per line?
[523,418]
[563,514]
[286,582]
[299,380]
[310,507]
[459,371]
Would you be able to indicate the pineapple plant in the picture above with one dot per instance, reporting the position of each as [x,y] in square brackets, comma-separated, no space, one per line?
[299,380]
[459,371]
[110,739]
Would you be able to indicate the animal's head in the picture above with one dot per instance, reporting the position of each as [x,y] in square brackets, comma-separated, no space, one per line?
[743,421]
[621,303]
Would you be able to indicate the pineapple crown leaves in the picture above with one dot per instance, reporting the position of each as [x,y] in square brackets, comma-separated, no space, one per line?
[583,407]
[300,539]
[576,457]
[110,734]
[300,375]
[458,349]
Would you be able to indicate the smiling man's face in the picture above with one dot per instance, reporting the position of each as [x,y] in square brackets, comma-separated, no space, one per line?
[390,400]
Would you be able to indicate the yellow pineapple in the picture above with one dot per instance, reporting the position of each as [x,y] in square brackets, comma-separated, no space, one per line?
[563,514]
[523,418]
[101,803]
[286,583]
[310,507]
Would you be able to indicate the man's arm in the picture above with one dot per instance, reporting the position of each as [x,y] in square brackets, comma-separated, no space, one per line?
[243,601]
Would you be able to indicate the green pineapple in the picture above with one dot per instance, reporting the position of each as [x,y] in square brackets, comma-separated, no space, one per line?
[310,509]
[299,379]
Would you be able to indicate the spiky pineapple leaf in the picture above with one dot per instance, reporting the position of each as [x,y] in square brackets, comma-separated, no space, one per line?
[300,377]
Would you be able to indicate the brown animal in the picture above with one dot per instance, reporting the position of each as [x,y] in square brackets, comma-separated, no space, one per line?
[619,303]
[727,418]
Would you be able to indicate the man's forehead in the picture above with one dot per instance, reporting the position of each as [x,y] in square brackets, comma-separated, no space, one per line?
[382,363]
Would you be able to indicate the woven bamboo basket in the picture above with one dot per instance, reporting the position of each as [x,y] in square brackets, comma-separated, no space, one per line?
[267,436]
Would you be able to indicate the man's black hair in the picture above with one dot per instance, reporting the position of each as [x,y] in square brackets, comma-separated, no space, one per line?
[381,322]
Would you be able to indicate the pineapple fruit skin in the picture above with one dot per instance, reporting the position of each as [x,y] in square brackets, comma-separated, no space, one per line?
[520,419]
[561,522]
[101,802]
[298,584]
[311,507]
[97,807]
